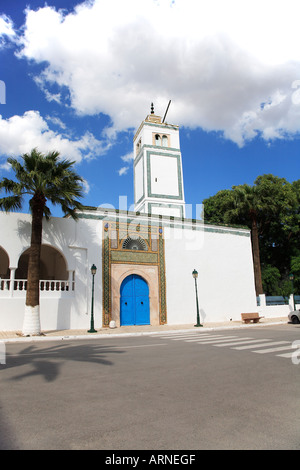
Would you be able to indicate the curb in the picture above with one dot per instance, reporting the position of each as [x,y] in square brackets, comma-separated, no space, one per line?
[140,333]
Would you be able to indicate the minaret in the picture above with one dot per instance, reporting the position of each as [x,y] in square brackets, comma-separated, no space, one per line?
[158,181]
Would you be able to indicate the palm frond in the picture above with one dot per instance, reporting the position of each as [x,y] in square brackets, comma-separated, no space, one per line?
[10,186]
[46,176]
[11,203]
[47,212]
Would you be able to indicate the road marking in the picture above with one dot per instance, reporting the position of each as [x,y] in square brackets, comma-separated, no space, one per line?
[208,340]
[182,335]
[281,348]
[234,342]
[238,341]
[261,345]
[194,337]
[245,340]
[288,355]
[219,340]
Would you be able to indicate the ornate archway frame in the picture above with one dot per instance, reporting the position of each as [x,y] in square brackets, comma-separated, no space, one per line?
[118,263]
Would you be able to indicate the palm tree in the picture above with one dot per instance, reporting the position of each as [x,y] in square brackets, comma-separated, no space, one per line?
[44,178]
[248,203]
[258,206]
[270,209]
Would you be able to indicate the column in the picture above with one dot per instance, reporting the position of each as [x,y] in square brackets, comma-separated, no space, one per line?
[12,280]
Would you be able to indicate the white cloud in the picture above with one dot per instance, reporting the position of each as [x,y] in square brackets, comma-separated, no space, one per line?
[128,158]
[5,166]
[6,30]
[123,171]
[86,186]
[218,62]
[20,134]
[49,96]
[56,121]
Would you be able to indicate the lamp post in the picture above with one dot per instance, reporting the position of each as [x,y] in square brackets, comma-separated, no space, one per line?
[291,277]
[93,272]
[195,276]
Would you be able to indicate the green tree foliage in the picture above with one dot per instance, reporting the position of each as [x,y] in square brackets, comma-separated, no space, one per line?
[271,209]
[271,279]
[295,269]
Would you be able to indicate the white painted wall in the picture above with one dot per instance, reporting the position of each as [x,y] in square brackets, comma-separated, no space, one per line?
[223,261]
[164,175]
[225,280]
[276,311]
[167,211]
[80,242]
[139,180]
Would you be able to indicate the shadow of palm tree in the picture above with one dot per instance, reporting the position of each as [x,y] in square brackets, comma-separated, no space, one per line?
[48,361]
[7,436]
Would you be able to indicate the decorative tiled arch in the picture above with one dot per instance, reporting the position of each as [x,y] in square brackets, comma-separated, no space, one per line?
[133,261]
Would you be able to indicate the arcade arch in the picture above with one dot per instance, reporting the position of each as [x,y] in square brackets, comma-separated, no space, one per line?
[4,264]
[53,264]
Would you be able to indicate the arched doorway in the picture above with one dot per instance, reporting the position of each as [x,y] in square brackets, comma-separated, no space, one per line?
[134,301]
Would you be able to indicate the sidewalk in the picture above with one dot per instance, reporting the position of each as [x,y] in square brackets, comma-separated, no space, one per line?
[15,336]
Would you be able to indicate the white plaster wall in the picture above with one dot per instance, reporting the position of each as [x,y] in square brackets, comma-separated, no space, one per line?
[276,311]
[87,250]
[139,180]
[225,280]
[55,313]
[81,245]
[223,261]
[164,175]
[168,211]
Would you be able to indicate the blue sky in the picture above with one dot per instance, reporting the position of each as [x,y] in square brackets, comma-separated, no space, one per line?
[80,77]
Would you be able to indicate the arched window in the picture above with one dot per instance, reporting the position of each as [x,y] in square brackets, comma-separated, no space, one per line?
[157,140]
[161,140]
[138,146]
[134,244]
[165,141]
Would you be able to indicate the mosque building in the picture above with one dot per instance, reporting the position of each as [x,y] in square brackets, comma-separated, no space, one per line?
[145,258]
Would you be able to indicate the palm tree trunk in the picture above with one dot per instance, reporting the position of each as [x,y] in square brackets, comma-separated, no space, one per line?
[31,325]
[256,256]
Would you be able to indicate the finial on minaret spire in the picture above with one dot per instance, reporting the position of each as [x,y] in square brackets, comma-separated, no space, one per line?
[152,117]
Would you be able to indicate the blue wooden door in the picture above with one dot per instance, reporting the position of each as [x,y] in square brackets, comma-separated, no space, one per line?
[134,304]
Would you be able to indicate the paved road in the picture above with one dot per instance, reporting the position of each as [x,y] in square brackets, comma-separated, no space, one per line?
[231,389]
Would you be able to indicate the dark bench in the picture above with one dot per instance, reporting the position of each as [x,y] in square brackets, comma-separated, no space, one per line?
[248,317]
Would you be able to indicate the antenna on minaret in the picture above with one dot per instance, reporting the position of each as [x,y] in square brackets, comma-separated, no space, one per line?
[166,111]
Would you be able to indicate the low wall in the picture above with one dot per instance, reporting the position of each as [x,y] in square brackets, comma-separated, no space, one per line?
[275,311]
[55,314]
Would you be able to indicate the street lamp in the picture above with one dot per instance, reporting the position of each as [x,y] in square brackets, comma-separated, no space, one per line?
[291,277]
[92,329]
[195,275]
